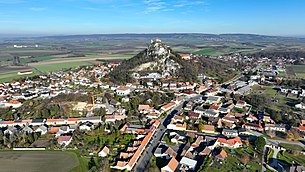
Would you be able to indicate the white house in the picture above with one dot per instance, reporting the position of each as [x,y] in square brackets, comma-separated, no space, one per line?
[13,103]
[42,129]
[190,164]
[300,105]
[123,91]
[171,166]
[64,140]
[104,152]
[86,126]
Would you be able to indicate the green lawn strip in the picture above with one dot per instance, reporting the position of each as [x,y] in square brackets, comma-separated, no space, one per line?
[270,91]
[206,51]
[83,163]
[233,163]
[38,59]
[38,160]
[57,67]
[10,76]
[301,75]
[283,74]
[291,147]
[270,155]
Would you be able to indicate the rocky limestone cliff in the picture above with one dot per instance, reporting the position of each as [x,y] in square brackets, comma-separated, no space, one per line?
[155,62]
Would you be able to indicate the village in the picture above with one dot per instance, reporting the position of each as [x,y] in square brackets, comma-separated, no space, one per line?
[188,126]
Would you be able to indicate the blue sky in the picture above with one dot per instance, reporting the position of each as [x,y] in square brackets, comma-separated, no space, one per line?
[269,17]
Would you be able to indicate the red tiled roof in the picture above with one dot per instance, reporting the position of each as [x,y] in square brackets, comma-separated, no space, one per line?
[73,119]
[234,141]
[55,120]
[208,127]
[172,164]
[168,105]
[13,102]
[222,140]
[302,127]
[223,154]
[8,122]
[136,155]
[63,138]
[122,88]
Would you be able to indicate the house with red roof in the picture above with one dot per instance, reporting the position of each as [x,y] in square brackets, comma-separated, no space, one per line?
[64,140]
[171,166]
[123,91]
[230,143]
[104,152]
[221,156]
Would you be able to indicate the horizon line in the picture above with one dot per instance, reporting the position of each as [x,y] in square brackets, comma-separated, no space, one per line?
[138,33]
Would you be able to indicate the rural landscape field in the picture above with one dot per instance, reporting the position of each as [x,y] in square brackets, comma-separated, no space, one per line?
[38,161]
[56,53]
[152,86]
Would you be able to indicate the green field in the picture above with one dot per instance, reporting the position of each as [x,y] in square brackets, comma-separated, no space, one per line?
[299,70]
[9,76]
[45,68]
[32,161]
[118,56]
[40,58]
[206,52]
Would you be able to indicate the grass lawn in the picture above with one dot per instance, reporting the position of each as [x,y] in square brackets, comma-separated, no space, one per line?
[233,163]
[283,74]
[289,158]
[270,91]
[206,51]
[115,56]
[9,76]
[269,156]
[291,147]
[46,161]
[299,70]
[40,58]
[83,163]
[56,67]
[301,75]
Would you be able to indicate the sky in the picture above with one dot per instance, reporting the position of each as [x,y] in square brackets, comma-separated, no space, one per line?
[68,17]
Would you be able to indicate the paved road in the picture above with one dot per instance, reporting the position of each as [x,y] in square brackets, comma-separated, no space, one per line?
[276,142]
[264,159]
[145,158]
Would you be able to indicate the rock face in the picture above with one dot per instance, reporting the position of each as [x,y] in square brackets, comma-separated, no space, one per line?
[160,61]
[157,61]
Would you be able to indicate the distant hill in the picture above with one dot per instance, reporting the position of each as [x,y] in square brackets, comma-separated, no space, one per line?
[159,61]
[155,62]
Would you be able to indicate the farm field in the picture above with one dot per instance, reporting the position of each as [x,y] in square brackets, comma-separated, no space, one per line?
[45,68]
[299,70]
[206,52]
[41,68]
[51,64]
[32,161]
[9,76]
[216,51]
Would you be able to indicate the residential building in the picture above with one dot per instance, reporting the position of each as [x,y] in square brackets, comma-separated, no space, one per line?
[104,152]
[171,166]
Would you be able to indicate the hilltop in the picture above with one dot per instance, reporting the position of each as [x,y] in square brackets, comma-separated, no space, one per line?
[157,61]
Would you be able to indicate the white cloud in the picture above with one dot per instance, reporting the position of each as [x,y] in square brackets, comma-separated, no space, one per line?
[162,5]
[154,5]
